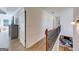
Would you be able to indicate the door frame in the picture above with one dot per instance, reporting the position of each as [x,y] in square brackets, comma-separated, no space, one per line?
[25,26]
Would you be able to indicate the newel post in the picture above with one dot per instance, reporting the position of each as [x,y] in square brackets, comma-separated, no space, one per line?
[46,33]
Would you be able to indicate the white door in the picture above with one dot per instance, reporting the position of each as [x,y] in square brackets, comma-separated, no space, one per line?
[22,27]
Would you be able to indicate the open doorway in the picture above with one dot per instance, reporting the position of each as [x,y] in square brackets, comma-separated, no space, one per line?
[12,28]
[18,31]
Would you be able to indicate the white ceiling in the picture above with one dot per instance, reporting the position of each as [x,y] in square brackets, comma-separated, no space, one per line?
[52,10]
[8,10]
[13,10]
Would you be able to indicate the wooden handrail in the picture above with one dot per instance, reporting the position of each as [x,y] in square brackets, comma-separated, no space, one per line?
[53,33]
[46,33]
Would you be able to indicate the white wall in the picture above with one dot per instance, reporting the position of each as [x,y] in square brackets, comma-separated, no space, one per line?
[37,22]
[47,20]
[34,33]
[66,17]
[76,30]
[76,38]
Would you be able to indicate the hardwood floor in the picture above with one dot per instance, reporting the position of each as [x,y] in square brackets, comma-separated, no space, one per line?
[15,45]
[62,48]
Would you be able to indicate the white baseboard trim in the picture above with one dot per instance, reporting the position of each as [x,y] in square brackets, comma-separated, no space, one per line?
[34,42]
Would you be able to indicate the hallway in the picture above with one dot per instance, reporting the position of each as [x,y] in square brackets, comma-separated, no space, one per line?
[15,45]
